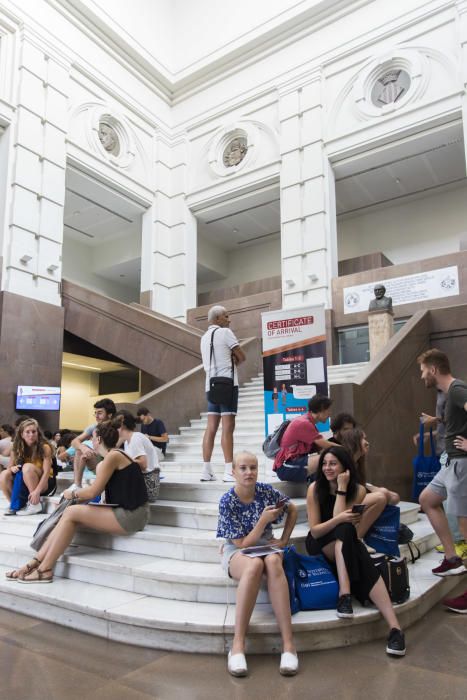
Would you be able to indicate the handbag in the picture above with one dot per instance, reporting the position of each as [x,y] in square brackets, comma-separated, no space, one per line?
[383,535]
[425,467]
[46,526]
[153,484]
[220,388]
[312,584]
[19,493]
[395,575]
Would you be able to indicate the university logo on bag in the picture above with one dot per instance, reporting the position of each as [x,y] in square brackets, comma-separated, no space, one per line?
[302,573]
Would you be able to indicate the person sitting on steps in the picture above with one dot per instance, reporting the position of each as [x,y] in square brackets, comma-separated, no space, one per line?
[104,410]
[125,490]
[246,514]
[377,497]
[32,454]
[298,457]
[333,533]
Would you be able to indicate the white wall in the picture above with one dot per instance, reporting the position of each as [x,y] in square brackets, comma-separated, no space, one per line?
[421,228]
[78,267]
[249,264]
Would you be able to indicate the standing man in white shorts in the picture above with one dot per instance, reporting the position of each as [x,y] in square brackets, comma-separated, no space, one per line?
[226,350]
[450,482]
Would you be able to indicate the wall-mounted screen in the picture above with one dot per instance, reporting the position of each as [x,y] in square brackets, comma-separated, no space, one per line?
[38,398]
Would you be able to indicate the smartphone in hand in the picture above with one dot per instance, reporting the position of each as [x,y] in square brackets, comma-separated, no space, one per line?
[358,508]
[281,502]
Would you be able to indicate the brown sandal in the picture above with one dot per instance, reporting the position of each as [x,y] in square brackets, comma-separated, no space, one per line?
[15,574]
[37,576]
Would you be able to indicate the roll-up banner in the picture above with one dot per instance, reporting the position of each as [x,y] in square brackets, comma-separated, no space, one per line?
[294,363]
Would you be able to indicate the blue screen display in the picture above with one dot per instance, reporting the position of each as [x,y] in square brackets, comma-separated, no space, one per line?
[38,398]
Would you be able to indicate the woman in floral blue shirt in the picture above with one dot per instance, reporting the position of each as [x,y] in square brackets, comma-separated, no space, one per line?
[246,514]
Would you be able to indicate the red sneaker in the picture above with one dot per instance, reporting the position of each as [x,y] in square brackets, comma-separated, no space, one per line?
[458,604]
[450,567]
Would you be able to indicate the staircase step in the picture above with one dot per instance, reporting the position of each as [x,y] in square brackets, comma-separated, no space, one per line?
[207,627]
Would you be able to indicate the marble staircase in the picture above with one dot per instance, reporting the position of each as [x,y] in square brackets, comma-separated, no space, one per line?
[164,587]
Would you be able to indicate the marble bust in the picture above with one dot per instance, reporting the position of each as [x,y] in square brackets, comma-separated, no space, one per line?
[381,302]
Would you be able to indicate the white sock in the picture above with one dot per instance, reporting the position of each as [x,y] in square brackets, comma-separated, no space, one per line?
[207,467]
[228,468]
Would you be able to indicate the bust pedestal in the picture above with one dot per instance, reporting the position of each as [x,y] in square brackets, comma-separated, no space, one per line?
[380,330]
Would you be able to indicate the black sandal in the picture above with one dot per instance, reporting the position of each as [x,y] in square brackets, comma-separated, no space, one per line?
[14,574]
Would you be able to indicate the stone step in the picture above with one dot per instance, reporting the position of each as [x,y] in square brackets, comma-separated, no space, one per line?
[193,514]
[194,438]
[175,579]
[155,622]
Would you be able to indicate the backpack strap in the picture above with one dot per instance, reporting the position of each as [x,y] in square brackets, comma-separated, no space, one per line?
[212,355]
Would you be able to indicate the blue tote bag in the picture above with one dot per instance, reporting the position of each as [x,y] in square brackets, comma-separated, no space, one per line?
[19,492]
[383,535]
[425,467]
[312,584]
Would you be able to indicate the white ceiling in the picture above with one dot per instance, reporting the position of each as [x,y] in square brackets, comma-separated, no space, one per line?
[95,213]
[414,167]
[82,363]
[247,220]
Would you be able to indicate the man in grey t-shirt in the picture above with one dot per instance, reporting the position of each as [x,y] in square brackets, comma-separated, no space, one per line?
[451,481]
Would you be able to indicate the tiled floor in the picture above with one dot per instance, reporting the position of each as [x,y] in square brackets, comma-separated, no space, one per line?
[41,661]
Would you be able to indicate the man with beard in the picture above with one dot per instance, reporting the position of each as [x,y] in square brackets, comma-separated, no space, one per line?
[450,482]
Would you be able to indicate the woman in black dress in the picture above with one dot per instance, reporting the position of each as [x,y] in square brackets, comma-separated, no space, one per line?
[333,533]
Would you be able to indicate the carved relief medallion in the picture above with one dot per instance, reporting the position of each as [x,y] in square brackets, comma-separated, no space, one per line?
[390,87]
[235,152]
[109,138]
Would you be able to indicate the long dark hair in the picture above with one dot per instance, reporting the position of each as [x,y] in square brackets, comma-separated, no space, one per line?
[322,484]
[352,441]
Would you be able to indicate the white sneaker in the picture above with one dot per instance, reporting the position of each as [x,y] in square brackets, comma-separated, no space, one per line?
[208,476]
[228,477]
[236,663]
[289,664]
[30,509]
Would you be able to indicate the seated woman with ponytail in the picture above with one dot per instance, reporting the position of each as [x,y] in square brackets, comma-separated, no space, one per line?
[333,533]
[127,512]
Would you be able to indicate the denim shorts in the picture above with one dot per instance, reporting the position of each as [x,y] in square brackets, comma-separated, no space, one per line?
[294,470]
[224,410]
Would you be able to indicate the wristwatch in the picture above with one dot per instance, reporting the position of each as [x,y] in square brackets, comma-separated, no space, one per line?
[341,493]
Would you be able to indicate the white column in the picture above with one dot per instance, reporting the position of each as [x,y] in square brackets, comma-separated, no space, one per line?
[308,218]
[34,218]
[461,7]
[169,238]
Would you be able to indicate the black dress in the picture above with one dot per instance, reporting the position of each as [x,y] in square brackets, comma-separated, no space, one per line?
[360,568]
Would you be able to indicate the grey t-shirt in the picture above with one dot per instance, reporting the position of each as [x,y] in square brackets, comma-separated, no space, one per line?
[455,416]
[441,427]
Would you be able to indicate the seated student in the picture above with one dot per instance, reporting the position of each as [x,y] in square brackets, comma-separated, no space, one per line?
[66,452]
[377,497]
[104,410]
[124,486]
[333,533]
[140,449]
[294,461]
[340,424]
[154,428]
[7,433]
[246,514]
[32,454]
